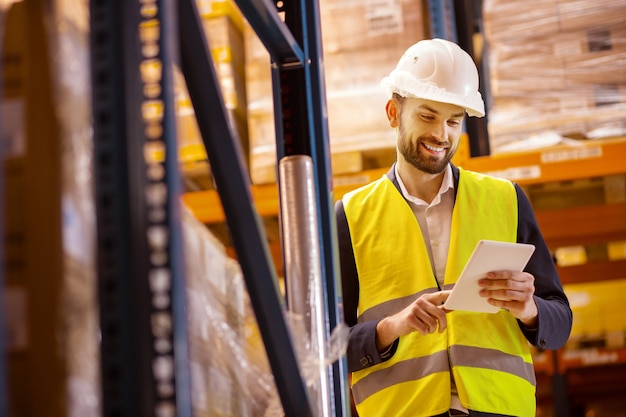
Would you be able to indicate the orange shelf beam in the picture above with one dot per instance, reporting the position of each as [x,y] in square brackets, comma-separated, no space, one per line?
[556,163]
[583,225]
[593,271]
[207,208]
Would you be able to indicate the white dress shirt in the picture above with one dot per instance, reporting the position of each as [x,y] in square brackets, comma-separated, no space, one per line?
[435,220]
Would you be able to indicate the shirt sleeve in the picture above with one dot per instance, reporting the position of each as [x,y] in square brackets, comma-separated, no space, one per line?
[555,315]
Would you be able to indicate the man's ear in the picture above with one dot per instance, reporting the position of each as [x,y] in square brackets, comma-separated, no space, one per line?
[392,112]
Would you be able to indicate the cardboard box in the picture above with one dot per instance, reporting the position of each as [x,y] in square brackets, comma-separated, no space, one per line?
[36,366]
[512,20]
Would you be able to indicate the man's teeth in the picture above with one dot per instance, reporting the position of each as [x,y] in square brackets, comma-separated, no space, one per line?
[434,148]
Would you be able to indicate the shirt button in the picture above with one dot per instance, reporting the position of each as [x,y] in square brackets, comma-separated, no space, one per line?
[542,342]
[366,360]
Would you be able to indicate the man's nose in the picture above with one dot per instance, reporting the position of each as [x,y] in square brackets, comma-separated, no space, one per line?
[439,131]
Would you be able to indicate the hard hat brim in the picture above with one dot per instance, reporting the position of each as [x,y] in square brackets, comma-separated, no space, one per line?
[404,84]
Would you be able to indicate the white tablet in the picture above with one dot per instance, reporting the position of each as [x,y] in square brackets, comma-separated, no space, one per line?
[488,255]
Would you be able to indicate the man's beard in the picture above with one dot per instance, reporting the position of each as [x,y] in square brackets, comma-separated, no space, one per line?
[411,153]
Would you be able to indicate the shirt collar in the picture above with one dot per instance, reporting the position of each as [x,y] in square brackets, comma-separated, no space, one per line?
[446,184]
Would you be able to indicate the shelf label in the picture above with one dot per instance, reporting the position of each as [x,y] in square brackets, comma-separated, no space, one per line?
[571,155]
[384,17]
[518,173]
[591,356]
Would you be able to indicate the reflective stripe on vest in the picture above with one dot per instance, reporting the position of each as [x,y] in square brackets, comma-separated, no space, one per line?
[394,270]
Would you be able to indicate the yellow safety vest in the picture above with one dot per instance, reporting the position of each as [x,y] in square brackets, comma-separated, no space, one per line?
[487,353]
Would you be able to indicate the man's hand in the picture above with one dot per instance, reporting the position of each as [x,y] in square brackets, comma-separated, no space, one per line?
[423,315]
[512,291]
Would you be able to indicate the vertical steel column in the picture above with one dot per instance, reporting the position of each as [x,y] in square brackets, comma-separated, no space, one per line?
[302,129]
[454,20]
[119,368]
[143,348]
[224,153]
[321,154]
[476,127]
[442,19]
[168,42]
[558,381]
[290,91]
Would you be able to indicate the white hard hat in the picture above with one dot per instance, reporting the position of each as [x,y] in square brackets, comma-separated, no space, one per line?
[437,70]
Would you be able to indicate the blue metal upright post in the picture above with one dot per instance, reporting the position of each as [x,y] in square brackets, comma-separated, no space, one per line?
[302,129]
[144,364]
[465,19]
[301,126]
[442,19]
[321,155]
[454,20]
[167,15]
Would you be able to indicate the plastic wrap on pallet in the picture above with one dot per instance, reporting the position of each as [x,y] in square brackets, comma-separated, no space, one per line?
[311,357]
[229,367]
[67,25]
[230,374]
[557,67]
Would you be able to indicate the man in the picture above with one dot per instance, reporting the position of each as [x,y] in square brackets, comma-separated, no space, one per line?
[403,241]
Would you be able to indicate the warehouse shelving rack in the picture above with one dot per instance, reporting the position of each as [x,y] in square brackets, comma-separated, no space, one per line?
[132,112]
[298,86]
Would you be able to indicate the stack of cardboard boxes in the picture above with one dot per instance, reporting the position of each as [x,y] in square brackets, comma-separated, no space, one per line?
[223,27]
[555,66]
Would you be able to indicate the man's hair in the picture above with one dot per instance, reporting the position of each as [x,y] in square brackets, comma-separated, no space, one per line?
[398,97]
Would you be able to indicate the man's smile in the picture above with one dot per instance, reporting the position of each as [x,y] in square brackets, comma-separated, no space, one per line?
[435,149]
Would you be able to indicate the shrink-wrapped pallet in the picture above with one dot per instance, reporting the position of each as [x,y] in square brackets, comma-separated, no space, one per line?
[230,375]
[230,372]
[557,68]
